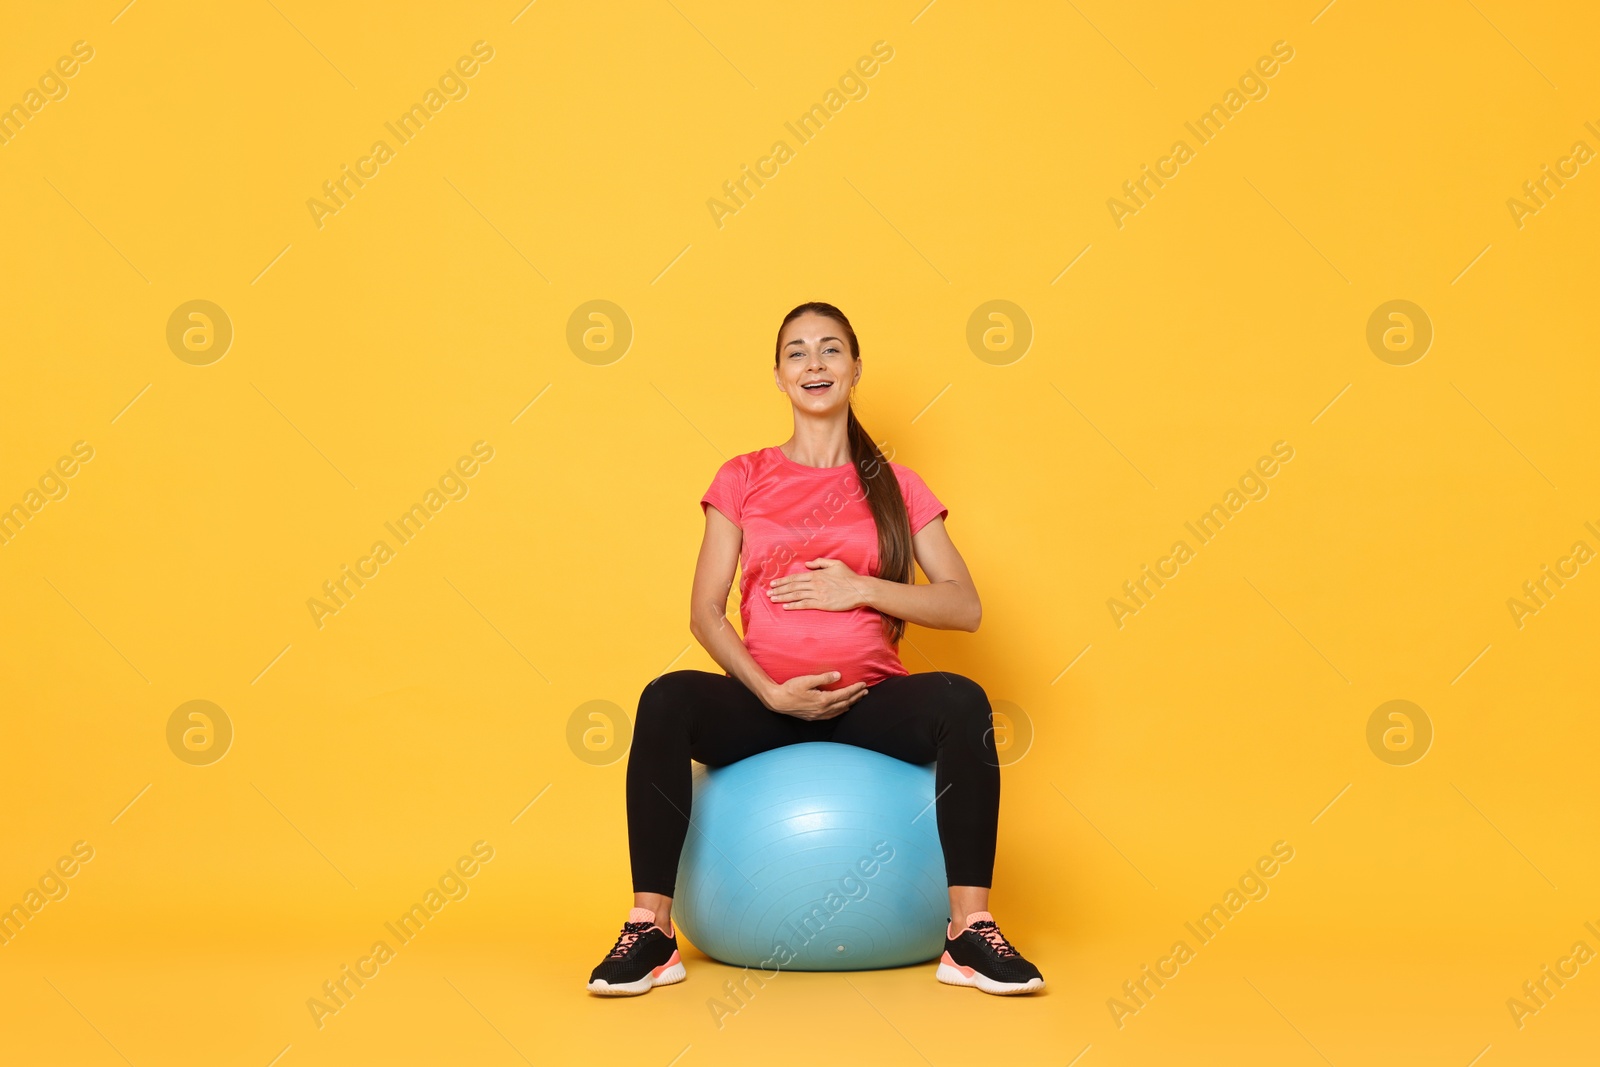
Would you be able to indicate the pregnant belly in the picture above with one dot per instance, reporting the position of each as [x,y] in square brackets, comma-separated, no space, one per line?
[790,643]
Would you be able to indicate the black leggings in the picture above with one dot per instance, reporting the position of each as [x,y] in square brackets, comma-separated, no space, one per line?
[937,717]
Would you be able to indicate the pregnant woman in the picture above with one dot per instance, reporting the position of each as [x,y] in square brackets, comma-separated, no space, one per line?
[825,529]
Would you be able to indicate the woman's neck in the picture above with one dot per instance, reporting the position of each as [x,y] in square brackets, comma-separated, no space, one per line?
[822,446]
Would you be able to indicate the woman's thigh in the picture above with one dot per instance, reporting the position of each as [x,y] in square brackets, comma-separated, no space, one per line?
[910,716]
[726,722]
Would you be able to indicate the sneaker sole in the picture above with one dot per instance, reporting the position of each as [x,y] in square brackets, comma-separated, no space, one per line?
[667,974]
[951,975]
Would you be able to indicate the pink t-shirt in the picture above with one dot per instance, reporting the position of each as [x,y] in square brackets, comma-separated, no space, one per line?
[790,513]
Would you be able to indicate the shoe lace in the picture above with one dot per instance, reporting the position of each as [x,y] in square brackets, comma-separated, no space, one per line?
[997,941]
[631,932]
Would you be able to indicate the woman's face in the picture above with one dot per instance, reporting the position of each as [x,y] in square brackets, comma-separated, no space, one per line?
[813,349]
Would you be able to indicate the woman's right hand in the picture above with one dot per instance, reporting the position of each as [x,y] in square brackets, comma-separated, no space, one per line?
[801,697]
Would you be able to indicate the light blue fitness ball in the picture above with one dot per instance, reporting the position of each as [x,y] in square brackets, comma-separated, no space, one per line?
[814,857]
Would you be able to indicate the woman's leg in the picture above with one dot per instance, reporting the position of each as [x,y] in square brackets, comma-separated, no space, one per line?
[683,716]
[942,718]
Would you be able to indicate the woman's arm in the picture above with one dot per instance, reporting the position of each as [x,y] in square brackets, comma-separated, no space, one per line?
[948,602]
[708,604]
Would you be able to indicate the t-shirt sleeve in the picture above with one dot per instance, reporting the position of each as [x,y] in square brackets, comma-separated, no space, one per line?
[727,491]
[922,507]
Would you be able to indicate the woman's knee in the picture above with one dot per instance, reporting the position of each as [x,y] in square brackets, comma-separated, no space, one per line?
[963,700]
[970,690]
[967,716]
[664,702]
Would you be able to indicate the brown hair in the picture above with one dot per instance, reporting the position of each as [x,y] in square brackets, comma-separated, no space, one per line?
[878,480]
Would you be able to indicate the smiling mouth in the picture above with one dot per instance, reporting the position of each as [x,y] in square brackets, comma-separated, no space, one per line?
[817,387]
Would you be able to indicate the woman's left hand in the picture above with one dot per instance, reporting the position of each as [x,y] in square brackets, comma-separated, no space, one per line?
[829,585]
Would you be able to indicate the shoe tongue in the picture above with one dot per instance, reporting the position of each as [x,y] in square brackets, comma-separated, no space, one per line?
[641,915]
[978,916]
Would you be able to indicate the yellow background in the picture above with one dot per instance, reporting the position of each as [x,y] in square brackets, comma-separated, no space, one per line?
[429,312]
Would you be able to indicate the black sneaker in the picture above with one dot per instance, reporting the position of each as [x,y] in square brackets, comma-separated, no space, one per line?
[644,956]
[981,956]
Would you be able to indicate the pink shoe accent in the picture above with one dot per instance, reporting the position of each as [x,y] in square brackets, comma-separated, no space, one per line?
[983,924]
[670,963]
[972,917]
[966,972]
[645,915]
